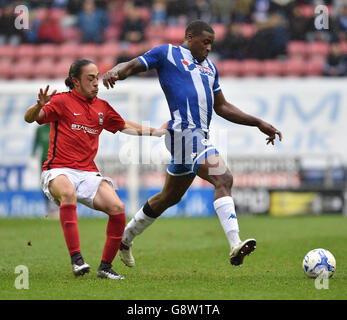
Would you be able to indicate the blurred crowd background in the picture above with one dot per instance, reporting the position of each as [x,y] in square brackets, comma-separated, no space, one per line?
[253,37]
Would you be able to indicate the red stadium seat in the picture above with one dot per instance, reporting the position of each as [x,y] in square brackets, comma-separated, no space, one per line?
[231,68]
[272,68]
[111,34]
[174,34]
[109,50]
[89,51]
[57,13]
[61,69]
[343,46]
[71,34]
[294,68]
[44,69]
[68,50]
[23,69]
[297,49]
[154,32]
[26,51]
[5,68]
[318,49]
[8,51]
[314,67]
[47,50]
[219,31]
[307,11]
[248,30]
[251,68]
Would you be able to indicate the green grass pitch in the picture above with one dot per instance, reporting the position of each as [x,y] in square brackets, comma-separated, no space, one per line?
[176,259]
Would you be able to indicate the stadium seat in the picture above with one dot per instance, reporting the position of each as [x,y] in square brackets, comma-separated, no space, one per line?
[219,31]
[272,68]
[57,13]
[314,67]
[154,32]
[294,68]
[47,51]
[61,69]
[8,51]
[250,68]
[71,34]
[44,69]
[5,68]
[111,34]
[23,69]
[108,50]
[248,30]
[229,68]
[89,51]
[343,46]
[297,49]
[174,34]
[307,11]
[68,50]
[318,49]
[26,51]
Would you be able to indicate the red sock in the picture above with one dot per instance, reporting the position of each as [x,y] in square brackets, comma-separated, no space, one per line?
[68,220]
[114,232]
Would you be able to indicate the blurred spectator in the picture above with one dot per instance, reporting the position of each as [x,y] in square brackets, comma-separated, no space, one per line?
[177,12]
[242,11]
[73,7]
[200,9]
[8,32]
[133,26]
[222,9]
[92,22]
[49,30]
[299,25]
[282,7]
[336,64]
[59,4]
[233,45]
[342,19]
[271,39]
[159,12]
[261,11]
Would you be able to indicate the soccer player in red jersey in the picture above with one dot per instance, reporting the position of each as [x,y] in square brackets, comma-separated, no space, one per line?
[69,175]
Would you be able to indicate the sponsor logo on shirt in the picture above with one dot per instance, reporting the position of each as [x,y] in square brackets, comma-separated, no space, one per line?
[84,128]
[203,70]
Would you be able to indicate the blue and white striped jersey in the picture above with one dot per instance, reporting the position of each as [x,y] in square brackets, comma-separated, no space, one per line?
[189,86]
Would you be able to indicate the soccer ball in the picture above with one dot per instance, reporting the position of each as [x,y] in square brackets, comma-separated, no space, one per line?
[317,262]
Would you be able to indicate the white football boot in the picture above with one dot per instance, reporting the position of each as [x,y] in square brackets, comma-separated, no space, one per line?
[243,249]
[126,256]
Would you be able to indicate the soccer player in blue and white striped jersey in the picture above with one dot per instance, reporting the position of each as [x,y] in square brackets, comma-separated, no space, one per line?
[191,86]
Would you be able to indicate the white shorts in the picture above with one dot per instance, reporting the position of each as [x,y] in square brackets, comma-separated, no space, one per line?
[86,183]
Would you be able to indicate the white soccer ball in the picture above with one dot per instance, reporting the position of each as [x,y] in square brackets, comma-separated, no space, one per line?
[319,262]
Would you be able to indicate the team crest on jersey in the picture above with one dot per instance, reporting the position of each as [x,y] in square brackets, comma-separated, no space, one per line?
[191,66]
[101,118]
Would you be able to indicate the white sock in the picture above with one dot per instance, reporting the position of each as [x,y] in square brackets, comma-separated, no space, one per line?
[225,209]
[136,226]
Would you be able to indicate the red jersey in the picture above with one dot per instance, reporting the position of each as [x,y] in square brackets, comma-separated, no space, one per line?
[76,124]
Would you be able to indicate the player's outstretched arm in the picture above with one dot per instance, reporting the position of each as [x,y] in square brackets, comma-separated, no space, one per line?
[122,71]
[35,112]
[136,129]
[233,114]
